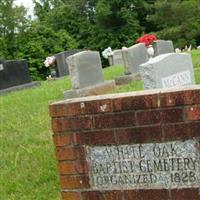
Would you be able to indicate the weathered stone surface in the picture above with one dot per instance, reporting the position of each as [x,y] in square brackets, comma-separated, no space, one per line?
[62,68]
[162,47]
[117,57]
[13,73]
[85,69]
[145,166]
[167,70]
[97,89]
[133,57]
[122,80]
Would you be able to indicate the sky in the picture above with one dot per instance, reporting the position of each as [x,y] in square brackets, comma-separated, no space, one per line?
[27,3]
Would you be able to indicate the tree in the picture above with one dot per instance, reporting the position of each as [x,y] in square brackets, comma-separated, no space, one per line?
[13,21]
[177,20]
[39,42]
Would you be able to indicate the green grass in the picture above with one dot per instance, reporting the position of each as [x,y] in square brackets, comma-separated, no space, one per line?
[196,58]
[28,166]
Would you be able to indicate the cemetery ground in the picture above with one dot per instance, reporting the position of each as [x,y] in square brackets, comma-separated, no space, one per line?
[28,164]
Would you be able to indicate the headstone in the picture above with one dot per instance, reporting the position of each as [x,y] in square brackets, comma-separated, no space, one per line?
[86,75]
[85,69]
[167,70]
[162,47]
[133,57]
[117,57]
[14,75]
[14,72]
[61,64]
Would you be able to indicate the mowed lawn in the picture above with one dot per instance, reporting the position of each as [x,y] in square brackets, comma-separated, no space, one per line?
[28,168]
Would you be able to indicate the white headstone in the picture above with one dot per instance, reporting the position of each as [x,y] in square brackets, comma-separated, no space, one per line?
[168,70]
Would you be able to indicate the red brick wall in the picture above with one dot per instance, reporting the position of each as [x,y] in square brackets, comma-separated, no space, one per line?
[142,117]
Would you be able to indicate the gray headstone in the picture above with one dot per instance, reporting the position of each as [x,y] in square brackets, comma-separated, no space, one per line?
[85,69]
[133,57]
[13,73]
[117,57]
[167,70]
[61,64]
[162,47]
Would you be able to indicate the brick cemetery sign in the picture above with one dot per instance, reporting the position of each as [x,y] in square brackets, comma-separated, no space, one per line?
[168,70]
[14,75]
[86,75]
[62,68]
[117,57]
[162,47]
[133,57]
[139,145]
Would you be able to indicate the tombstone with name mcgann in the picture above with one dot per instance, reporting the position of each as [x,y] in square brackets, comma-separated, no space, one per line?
[168,70]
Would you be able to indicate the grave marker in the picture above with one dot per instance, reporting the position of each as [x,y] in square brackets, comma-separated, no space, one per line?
[162,47]
[168,70]
[14,75]
[133,57]
[117,57]
[61,64]
[86,75]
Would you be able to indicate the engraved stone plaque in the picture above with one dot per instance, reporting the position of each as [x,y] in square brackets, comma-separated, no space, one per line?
[145,166]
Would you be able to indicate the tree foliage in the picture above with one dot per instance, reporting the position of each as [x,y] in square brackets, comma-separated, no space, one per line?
[92,24]
[178,20]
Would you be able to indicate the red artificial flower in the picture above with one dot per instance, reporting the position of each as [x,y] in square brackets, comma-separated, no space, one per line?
[147,39]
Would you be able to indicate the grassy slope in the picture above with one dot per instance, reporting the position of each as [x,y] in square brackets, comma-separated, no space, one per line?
[27,161]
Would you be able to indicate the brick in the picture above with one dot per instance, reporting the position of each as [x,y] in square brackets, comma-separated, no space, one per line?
[185,194]
[61,139]
[160,116]
[94,138]
[97,106]
[193,113]
[115,120]
[148,117]
[64,109]
[103,195]
[135,103]
[146,195]
[78,108]
[70,196]
[139,134]
[181,130]
[65,153]
[70,153]
[66,168]
[180,98]
[75,167]
[71,124]
[74,182]
[81,167]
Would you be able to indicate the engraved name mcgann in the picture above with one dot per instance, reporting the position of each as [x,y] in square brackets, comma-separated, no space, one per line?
[155,165]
